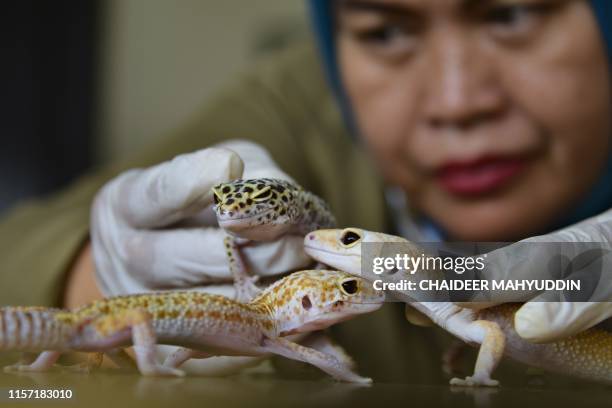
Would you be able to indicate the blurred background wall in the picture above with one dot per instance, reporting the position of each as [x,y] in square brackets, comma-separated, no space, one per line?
[162,58]
[86,82]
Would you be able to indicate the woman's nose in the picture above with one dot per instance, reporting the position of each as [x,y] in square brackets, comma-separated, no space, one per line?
[462,87]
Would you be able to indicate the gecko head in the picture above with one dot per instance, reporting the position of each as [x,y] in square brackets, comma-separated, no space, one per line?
[259,209]
[313,300]
[342,248]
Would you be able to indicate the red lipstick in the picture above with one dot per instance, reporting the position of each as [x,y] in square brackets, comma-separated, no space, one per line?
[480,176]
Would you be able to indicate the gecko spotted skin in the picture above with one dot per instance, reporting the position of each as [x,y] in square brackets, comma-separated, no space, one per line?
[264,209]
[587,355]
[203,324]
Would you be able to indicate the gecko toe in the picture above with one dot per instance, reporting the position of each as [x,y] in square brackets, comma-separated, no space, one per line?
[162,371]
[474,382]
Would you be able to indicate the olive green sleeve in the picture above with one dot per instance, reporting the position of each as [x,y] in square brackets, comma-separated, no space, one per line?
[274,105]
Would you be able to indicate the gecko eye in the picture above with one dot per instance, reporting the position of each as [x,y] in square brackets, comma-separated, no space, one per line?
[350,238]
[350,287]
[306,303]
[262,195]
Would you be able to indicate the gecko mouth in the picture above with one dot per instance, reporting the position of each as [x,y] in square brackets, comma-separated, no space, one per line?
[327,251]
[230,218]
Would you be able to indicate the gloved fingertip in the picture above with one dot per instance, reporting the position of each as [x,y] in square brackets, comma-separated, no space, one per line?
[532,323]
[228,163]
[235,166]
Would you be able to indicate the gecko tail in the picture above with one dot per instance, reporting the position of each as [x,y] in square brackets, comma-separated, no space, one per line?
[32,329]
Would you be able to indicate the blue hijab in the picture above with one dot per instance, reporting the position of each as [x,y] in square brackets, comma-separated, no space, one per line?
[598,200]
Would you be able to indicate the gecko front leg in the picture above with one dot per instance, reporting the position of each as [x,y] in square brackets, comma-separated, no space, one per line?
[493,342]
[244,284]
[323,361]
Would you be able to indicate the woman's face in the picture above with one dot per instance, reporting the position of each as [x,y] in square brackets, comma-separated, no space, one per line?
[493,115]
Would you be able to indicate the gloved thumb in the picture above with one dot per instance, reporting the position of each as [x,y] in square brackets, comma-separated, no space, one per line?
[257,161]
[171,191]
[541,322]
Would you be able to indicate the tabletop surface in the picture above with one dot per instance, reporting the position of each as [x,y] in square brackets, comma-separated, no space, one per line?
[111,387]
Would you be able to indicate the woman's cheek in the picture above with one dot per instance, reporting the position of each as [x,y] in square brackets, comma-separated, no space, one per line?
[563,86]
[384,115]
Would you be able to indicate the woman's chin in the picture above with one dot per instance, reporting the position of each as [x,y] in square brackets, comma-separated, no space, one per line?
[494,220]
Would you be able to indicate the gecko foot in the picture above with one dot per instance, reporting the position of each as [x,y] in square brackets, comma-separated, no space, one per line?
[44,362]
[362,380]
[162,371]
[475,381]
[24,368]
[352,377]
[355,379]
[246,289]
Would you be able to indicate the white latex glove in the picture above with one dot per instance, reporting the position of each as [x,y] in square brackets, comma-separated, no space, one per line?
[154,229]
[540,321]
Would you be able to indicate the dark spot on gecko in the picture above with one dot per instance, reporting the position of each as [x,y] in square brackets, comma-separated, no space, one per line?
[284,198]
[307,205]
[238,195]
[226,189]
[248,190]
[283,212]
[242,205]
[280,189]
[249,201]
[230,201]
[261,186]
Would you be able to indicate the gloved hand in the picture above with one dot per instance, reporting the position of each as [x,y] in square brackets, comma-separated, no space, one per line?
[154,229]
[584,250]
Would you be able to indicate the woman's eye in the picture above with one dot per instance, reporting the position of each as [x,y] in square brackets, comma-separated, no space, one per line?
[390,39]
[381,35]
[507,14]
[515,19]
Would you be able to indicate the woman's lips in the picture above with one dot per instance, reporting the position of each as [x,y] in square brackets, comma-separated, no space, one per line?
[479,176]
